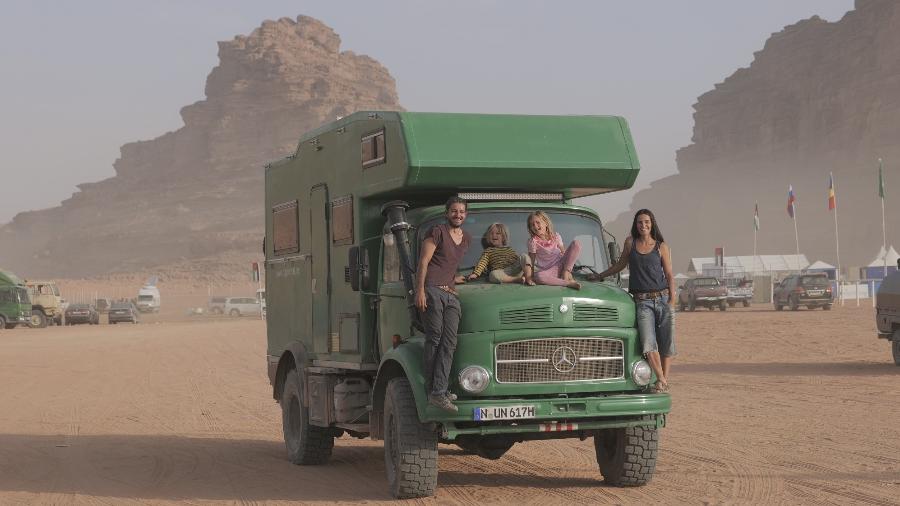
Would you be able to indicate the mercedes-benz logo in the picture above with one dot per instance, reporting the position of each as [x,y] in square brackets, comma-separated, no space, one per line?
[564,359]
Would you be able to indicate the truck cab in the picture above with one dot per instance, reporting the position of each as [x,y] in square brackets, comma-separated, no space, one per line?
[345,214]
[148,299]
[15,302]
[46,303]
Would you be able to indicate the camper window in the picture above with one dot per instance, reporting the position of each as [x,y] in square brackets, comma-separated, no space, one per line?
[342,220]
[373,149]
[285,228]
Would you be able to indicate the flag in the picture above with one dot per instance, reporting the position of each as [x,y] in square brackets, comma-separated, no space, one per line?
[791,199]
[832,202]
[756,216]
[254,271]
[880,180]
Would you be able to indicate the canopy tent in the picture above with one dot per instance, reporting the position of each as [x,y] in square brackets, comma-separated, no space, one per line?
[820,266]
[875,270]
[749,265]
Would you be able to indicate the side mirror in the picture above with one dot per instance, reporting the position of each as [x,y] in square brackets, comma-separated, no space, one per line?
[613,248]
[357,272]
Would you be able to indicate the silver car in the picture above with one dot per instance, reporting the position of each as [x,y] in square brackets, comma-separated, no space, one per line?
[242,306]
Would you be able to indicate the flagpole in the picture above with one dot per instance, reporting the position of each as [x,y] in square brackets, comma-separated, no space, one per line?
[755,232]
[837,241]
[796,236]
[883,233]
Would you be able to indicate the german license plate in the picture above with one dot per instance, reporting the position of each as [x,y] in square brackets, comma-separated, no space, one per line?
[504,413]
[815,292]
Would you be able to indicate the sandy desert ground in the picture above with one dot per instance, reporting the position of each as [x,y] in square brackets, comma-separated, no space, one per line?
[769,407]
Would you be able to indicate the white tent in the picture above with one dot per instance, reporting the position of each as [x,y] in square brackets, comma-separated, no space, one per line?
[820,265]
[750,265]
[892,257]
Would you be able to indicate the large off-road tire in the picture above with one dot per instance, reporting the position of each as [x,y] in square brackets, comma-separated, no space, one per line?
[38,319]
[731,303]
[746,303]
[2,323]
[410,446]
[306,444]
[795,304]
[627,456]
[895,347]
[723,306]
[234,313]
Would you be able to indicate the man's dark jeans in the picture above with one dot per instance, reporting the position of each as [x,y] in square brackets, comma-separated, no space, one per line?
[441,319]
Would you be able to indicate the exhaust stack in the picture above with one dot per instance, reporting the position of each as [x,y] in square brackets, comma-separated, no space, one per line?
[395,212]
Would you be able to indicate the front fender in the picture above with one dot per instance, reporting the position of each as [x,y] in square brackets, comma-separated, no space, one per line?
[402,361]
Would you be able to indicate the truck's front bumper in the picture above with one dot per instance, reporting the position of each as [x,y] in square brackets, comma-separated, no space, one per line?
[586,413]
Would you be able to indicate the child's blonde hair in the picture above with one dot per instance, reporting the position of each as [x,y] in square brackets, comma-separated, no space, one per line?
[541,215]
[504,234]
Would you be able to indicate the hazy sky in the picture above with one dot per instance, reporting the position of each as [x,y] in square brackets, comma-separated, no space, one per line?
[79,79]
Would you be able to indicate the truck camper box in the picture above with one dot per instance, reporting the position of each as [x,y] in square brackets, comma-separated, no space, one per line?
[344,216]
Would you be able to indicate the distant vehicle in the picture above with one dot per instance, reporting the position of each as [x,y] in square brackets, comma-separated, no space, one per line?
[703,291]
[216,305]
[82,313]
[242,306]
[102,305]
[887,312]
[739,291]
[810,290]
[46,304]
[15,303]
[123,312]
[148,300]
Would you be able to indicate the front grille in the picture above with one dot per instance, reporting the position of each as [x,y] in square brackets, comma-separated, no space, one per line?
[560,359]
[596,314]
[534,314]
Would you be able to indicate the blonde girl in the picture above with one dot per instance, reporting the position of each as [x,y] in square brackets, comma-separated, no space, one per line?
[549,261]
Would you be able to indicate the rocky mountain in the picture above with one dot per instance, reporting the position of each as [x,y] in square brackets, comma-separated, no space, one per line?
[193,197]
[820,97]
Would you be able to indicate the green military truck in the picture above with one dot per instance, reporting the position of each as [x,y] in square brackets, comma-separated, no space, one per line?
[344,217]
[15,304]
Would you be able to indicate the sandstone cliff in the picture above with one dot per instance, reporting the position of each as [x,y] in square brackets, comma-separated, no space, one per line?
[196,194]
[820,97]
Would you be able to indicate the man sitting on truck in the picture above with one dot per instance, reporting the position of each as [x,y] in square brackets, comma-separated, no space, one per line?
[442,249]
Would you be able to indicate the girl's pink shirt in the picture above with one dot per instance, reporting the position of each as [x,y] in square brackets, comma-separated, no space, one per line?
[546,253]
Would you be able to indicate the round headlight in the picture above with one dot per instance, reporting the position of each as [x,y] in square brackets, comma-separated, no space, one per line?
[640,373]
[474,379]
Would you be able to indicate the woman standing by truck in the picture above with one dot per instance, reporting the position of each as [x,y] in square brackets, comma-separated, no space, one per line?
[652,285]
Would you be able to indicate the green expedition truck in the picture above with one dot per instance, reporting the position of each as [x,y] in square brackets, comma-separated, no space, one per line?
[15,304]
[344,217]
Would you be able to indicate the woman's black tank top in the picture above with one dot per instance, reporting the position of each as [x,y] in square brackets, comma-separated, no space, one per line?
[645,272]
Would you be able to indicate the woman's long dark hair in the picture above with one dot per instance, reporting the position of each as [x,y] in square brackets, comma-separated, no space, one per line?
[655,233]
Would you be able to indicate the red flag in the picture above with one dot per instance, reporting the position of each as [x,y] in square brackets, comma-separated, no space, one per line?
[832,201]
[791,200]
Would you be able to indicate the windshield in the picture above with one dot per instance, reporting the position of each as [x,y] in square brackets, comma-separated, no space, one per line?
[706,282]
[569,225]
[145,298]
[22,296]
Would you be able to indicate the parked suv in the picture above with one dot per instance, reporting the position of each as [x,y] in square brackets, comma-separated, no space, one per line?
[810,290]
[704,291]
[216,305]
[242,306]
[123,311]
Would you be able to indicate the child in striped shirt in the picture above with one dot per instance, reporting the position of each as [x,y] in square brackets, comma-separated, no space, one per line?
[499,260]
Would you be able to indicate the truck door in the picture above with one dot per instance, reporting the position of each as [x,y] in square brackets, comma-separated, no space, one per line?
[320,284]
